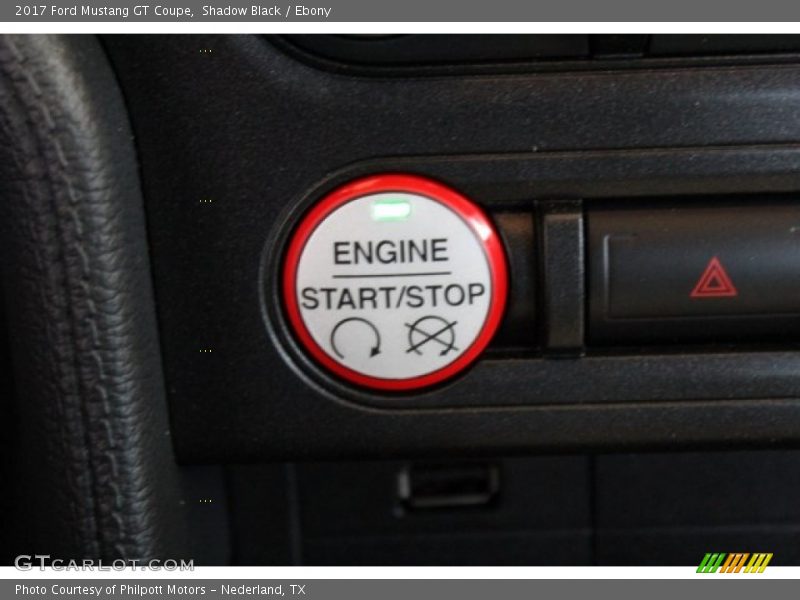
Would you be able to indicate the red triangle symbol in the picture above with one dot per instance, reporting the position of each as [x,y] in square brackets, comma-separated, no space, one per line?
[714,282]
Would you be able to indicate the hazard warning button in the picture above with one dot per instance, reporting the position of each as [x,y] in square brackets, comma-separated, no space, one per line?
[694,273]
[395,282]
[714,282]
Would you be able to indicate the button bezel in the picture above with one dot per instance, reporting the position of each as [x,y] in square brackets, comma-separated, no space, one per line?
[472,215]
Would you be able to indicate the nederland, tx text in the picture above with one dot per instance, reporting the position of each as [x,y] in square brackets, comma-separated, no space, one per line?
[391,296]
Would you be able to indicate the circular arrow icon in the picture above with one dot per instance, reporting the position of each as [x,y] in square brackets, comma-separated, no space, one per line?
[376,348]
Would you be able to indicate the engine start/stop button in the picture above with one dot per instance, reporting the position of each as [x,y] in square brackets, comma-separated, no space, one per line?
[395,282]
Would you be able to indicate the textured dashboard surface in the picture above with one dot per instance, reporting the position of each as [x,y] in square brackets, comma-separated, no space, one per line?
[94,473]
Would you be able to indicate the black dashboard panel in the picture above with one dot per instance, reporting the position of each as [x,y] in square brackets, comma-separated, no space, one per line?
[243,139]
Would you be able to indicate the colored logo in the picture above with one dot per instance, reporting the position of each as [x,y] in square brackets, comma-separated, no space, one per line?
[734,562]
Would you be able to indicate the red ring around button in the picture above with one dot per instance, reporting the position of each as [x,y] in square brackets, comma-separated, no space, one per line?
[463,207]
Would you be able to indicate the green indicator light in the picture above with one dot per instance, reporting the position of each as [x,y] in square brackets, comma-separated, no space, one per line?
[391,210]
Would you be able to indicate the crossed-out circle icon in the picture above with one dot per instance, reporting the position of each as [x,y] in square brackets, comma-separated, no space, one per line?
[431,330]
